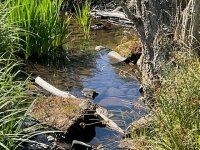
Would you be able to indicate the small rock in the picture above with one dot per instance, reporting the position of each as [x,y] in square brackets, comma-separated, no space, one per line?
[50,138]
[115,57]
[89,93]
[141,90]
[127,144]
[78,145]
[98,48]
[97,27]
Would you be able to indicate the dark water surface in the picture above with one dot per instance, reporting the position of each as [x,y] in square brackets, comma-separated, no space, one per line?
[92,70]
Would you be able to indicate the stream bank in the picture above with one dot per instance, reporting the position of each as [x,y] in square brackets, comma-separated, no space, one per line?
[88,68]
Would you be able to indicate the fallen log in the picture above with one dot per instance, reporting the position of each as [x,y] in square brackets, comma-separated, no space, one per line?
[111,124]
[81,105]
[111,14]
[52,89]
[116,17]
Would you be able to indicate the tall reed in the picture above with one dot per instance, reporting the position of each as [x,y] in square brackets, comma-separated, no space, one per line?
[8,32]
[44,28]
[83,18]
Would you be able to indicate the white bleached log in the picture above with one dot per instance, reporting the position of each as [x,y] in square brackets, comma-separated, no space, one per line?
[110,124]
[45,85]
[114,14]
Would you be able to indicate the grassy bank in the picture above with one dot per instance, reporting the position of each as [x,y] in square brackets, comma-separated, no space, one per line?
[177,117]
[13,105]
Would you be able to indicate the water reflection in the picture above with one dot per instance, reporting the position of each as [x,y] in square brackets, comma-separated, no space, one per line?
[91,69]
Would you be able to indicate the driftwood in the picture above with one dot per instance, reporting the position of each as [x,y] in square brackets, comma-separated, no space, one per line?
[112,125]
[110,14]
[101,112]
[52,89]
[115,17]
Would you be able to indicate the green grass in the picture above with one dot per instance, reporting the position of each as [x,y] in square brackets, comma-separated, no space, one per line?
[83,18]
[44,29]
[13,105]
[12,95]
[8,32]
[177,116]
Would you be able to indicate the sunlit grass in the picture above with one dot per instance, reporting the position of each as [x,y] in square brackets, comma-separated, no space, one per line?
[83,18]
[8,32]
[177,115]
[13,105]
[44,29]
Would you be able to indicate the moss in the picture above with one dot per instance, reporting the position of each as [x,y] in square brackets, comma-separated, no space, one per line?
[56,111]
[129,47]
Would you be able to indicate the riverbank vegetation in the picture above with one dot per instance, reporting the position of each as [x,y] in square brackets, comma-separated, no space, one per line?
[173,85]
[177,119]
[13,105]
[43,27]
[27,29]
[83,18]
[32,29]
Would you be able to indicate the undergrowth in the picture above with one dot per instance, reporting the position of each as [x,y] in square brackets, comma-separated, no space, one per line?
[177,116]
[13,105]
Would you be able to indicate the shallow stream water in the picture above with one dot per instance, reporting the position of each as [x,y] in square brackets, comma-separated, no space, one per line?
[91,69]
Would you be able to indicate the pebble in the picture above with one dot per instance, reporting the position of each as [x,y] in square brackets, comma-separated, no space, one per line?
[98,48]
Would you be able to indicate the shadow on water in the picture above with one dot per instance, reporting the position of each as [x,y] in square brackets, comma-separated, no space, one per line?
[91,69]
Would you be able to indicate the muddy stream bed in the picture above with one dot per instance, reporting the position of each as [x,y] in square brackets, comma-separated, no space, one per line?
[91,69]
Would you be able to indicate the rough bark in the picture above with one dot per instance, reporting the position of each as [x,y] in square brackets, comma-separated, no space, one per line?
[188,26]
[151,18]
[196,25]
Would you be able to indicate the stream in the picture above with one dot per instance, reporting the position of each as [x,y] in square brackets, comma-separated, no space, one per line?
[92,69]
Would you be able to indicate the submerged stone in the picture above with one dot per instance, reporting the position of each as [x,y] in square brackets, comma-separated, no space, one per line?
[115,57]
[89,93]
[114,101]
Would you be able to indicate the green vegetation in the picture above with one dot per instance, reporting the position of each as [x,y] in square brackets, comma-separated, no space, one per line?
[177,111]
[14,97]
[44,29]
[13,106]
[34,28]
[8,32]
[12,94]
[83,18]
[178,103]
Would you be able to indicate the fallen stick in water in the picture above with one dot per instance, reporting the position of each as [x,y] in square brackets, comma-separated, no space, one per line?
[52,89]
[102,112]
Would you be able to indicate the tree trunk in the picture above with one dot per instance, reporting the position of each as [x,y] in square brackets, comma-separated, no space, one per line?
[188,28]
[152,19]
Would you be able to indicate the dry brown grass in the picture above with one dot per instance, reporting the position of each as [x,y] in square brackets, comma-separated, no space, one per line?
[56,111]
